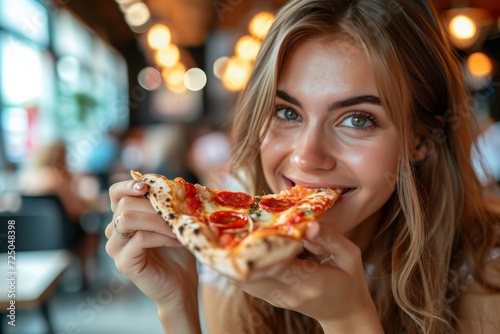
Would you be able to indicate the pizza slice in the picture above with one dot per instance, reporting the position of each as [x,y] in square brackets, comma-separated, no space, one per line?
[233,232]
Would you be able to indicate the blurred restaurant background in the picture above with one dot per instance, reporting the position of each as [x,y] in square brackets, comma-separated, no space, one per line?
[90,89]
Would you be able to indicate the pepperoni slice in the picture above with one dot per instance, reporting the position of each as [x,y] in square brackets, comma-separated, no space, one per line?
[228,219]
[276,205]
[233,199]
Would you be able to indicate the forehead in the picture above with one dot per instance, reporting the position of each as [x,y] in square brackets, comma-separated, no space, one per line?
[321,64]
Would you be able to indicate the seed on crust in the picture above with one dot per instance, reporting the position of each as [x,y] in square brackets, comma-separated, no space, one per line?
[180,229]
[171,215]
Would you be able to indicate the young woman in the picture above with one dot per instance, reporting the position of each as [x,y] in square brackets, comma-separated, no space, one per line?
[364,95]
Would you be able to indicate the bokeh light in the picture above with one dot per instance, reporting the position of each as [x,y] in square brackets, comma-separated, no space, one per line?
[260,24]
[137,14]
[236,73]
[158,37]
[168,56]
[462,27]
[149,78]
[195,79]
[479,64]
[247,47]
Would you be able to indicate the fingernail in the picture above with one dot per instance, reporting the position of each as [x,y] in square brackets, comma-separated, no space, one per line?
[139,185]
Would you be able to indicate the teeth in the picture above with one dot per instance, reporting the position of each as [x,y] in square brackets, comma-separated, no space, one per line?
[340,191]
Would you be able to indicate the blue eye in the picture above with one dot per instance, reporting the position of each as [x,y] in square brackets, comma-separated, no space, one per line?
[359,120]
[288,114]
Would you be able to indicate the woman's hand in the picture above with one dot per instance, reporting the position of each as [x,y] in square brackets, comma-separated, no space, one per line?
[334,292]
[146,250]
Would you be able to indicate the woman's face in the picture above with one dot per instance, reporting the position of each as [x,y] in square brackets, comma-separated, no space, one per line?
[330,130]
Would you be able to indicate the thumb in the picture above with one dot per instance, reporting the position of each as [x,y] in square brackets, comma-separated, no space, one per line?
[343,252]
[312,231]
[311,241]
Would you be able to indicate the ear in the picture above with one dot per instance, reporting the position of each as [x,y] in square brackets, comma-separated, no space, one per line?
[419,150]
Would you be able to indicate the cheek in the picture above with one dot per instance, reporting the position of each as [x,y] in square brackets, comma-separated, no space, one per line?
[375,166]
[273,151]
[381,169]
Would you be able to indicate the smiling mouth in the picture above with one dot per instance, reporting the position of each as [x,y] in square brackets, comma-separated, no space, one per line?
[340,191]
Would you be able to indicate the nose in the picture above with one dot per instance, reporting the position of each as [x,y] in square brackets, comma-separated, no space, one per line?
[313,151]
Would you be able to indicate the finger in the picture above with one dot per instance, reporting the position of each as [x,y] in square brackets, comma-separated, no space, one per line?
[117,243]
[125,188]
[133,203]
[312,232]
[127,224]
[343,252]
[109,230]
[133,221]
[132,253]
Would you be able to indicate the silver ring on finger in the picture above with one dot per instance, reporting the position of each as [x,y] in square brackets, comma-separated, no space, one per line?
[121,235]
[329,260]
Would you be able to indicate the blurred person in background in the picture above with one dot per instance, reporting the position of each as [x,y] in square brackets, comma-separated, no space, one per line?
[45,172]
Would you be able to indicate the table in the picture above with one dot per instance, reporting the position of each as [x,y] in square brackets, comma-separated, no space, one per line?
[34,275]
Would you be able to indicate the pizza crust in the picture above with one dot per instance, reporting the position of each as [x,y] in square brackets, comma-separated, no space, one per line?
[256,253]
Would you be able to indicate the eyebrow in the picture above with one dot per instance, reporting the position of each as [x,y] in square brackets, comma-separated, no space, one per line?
[352,101]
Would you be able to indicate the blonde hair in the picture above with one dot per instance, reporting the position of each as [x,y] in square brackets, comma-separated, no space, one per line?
[440,216]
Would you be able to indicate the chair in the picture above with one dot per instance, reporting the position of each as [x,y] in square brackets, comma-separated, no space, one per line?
[41,223]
